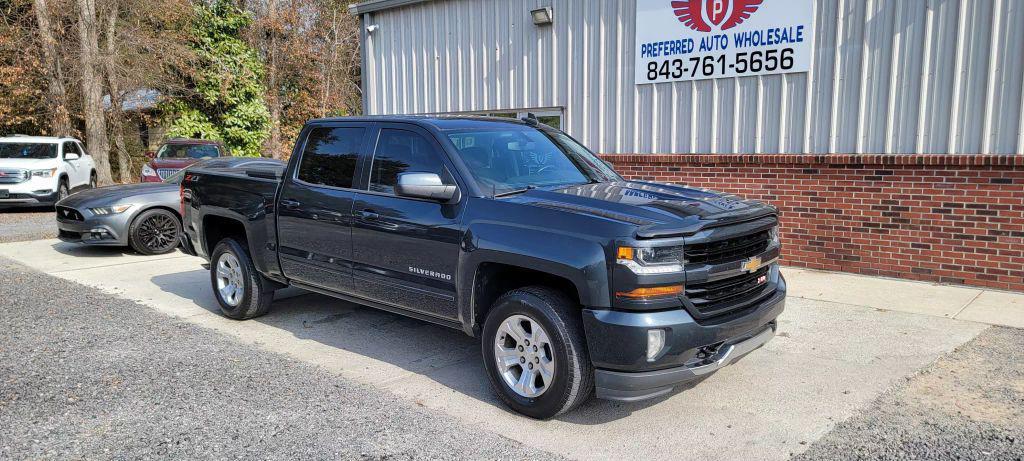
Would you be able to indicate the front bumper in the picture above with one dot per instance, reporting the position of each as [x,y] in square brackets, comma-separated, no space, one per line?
[617,342]
[109,230]
[14,198]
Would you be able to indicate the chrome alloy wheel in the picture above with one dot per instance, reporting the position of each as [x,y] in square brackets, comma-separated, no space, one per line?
[230,283]
[524,356]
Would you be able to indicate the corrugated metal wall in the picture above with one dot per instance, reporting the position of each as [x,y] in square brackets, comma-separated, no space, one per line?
[888,76]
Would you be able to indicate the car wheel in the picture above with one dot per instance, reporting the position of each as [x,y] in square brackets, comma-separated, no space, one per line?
[240,290]
[62,190]
[154,232]
[535,352]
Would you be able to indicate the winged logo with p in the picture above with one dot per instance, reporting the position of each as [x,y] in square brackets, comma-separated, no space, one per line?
[701,15]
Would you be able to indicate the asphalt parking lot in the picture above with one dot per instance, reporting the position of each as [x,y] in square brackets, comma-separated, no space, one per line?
[829,371]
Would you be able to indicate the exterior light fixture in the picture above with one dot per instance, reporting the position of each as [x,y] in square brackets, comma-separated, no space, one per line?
[542,16]
[372,28]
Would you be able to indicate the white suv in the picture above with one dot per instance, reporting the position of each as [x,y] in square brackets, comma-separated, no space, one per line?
[38,170]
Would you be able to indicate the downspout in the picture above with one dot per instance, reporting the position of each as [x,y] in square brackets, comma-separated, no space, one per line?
[363,44]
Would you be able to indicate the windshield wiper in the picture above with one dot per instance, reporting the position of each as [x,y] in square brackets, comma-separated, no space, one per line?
[514,192]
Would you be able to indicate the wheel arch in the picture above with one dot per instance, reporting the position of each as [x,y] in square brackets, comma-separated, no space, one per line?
[493,279]
[217,227]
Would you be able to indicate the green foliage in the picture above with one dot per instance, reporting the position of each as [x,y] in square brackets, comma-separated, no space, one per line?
[228,100]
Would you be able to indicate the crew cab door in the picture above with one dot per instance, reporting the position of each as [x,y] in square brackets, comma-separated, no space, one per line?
[315,206]
[405,250]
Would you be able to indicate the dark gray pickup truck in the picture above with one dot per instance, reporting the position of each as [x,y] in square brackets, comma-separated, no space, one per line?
[577,281]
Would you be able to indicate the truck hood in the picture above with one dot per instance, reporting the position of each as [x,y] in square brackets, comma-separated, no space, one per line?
[658,210]
[148,192]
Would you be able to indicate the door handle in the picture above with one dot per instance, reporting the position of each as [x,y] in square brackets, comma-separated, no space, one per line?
[369,215]
[290,204]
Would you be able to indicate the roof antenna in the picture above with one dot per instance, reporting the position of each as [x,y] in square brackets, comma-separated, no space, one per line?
[531,119]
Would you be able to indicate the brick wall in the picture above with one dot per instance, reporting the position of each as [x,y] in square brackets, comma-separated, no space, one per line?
[945,218]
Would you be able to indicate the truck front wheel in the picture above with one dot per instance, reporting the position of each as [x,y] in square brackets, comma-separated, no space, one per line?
[535,352]
[240,289]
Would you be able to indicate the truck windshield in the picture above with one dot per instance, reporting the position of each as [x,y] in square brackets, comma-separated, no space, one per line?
[522,157]
[188,151]
[27,150]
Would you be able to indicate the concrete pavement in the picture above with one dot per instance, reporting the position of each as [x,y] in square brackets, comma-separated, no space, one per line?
[838,348]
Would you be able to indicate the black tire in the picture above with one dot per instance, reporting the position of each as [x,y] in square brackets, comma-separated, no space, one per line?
[154,232]
[257,293]
[63,191]
[573,379]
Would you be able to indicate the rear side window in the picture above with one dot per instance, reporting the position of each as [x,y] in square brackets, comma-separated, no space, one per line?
[330,156]
[400,151]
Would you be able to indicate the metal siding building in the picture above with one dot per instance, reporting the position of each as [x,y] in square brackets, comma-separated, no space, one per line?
[914,76]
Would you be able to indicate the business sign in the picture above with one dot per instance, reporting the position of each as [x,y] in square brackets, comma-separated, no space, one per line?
[699,39]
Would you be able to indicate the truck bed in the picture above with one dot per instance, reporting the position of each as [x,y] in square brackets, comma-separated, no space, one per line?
[246,195]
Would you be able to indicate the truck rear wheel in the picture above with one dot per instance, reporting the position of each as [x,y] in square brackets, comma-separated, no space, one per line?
[240,289]
[535,352]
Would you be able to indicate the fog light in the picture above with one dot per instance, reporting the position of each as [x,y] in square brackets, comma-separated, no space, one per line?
[655,343]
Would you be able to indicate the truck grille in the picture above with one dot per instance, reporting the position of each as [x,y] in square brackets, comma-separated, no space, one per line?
[69,214]
[733,249]
[727,295]
[163,173]
[12,176]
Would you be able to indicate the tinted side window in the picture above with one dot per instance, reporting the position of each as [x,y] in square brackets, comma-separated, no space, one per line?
[400,151]
[330,156]
[71,148]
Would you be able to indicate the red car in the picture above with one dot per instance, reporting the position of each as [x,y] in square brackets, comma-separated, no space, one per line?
[179,153]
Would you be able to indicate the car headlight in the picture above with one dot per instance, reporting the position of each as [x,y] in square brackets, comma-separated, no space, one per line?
[653,260]
[148,171]
[44,173]
[108,210]
[773,233]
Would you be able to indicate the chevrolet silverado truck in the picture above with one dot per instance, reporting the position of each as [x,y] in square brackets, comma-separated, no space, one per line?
[577,281]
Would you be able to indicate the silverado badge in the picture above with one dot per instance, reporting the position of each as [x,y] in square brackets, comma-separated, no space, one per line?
[752,264]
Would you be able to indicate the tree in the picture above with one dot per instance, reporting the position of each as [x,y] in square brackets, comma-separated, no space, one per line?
[311,50]
[92,90]
[141,35]
[57,96]
[227,101]
[23,107]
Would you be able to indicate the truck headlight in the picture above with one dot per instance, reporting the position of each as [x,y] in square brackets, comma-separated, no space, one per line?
[148,171]
[108,210]
[44,173]
[652,260]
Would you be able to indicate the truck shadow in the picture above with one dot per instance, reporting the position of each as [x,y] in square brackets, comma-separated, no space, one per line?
[443,355]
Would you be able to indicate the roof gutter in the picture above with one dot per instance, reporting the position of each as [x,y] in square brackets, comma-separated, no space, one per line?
[378,5]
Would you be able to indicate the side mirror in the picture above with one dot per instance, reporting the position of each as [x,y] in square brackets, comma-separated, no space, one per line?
[71,156]
[609,164]
[150,154]
[424,185]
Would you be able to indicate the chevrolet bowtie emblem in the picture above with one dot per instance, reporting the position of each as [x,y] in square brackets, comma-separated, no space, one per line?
[752,264]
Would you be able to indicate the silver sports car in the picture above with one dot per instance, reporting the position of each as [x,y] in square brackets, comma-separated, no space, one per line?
[143,216]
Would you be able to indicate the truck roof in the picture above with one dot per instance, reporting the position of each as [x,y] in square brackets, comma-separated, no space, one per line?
[439,122]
